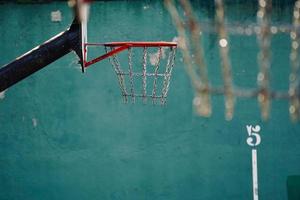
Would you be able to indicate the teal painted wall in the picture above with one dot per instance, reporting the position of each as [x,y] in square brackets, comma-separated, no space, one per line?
[67,135]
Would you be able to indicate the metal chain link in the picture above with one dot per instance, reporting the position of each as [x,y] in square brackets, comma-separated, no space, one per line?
[225,60]
[144,77]
[202,100]
[264,30]
[295,62]
[264,40]
[155,75]
[131,75]
[168,72]
[114,61]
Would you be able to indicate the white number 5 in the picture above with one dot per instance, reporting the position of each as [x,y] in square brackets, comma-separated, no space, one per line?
[254,137]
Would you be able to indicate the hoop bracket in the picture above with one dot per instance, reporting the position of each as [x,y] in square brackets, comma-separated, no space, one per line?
[104,56]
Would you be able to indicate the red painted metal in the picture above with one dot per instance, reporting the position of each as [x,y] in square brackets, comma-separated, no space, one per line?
[98,59]
[121,46]
[135,44]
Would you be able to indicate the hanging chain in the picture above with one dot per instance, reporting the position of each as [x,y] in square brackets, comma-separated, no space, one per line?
[144,77]
[295,62]
[114,61]
[264,39]
[155,75]
[202,100]
[264,30]
[226,65]
[167,76]
[131,75]
[133,94]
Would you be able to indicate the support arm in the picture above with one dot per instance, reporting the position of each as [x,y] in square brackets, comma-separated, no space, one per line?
[41,56]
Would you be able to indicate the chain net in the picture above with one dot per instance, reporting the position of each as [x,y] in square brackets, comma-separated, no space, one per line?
[147,74]
[190,29]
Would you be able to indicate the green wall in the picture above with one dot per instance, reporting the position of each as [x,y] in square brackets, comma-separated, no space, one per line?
[67,135]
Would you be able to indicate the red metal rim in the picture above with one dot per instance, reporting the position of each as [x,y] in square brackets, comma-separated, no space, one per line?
[135,44]
[121,46]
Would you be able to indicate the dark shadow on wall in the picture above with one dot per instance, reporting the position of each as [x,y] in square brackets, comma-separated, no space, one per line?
[293,187]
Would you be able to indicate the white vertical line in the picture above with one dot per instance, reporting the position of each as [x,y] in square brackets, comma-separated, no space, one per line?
[254,174]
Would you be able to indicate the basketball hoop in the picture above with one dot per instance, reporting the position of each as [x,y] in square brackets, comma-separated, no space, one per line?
[138,72]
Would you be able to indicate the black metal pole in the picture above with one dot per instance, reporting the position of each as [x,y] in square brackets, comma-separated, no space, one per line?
[41,56]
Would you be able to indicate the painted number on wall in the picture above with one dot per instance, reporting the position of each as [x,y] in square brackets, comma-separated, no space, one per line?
[254,137]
